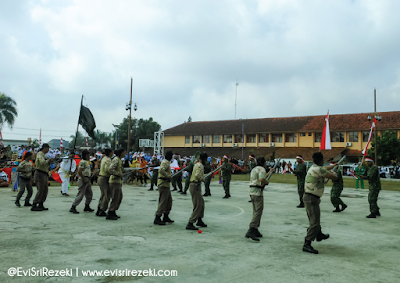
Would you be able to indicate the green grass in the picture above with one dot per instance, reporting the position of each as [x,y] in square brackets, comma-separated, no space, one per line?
[347,182]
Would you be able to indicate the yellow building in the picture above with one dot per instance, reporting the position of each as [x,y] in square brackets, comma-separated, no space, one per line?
[284,136]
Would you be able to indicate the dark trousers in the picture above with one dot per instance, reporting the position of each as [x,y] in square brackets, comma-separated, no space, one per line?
[25,183]
[335,197]
[105,193]
[115,196]
[154,178]
[198,202]
[311,204]
[300,190]
[84,190]
[373,200]
[207,182]
[41,179]
[225,183]
[164,201]
[258,207]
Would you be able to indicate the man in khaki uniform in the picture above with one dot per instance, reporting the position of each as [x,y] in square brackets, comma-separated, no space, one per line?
[258,180]
[314,189]
[84,185]
[103,182]
[163,184]
[25,169]
[42,166]
[195,190]
[115,181]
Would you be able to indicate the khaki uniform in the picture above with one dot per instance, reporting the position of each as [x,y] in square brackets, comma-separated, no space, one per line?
[163,184]
[104,184]
[314,188]
[195,190]
[256,194]
[84,188]
[25,176]
[41,177]
[115,184]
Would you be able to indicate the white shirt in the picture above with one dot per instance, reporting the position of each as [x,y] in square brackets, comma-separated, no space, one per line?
[66,165]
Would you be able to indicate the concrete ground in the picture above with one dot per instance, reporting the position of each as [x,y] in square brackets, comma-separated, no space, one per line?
[359,249]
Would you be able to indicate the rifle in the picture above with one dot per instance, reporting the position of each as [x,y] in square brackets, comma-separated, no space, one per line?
[276,164]
[177,172]
[212,172]
[337,164]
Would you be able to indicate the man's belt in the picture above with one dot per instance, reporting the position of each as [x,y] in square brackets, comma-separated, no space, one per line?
[258,187]
[104,176]
[312,195]
[43,172]
[196,182]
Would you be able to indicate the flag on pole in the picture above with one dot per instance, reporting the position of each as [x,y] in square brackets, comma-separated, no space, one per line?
[61,144]
[364,152]
[40,137]
[326,137]
[87,144]
[86,119]
[1,137]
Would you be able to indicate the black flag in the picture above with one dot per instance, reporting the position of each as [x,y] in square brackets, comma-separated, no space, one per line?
[86,119]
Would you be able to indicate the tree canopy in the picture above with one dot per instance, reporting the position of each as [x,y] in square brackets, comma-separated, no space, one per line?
[388,148]
[8,110]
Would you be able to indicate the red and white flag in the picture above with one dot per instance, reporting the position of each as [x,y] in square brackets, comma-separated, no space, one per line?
[364,152]
[61,144]
[1,137]
[40,137]
[87,144]
[326,137]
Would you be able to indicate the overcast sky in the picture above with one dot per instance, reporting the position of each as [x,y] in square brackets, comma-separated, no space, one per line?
[290,57]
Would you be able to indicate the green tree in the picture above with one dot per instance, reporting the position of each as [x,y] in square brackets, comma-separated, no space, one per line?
[140,129]
[103,138]
[8,110]
[388,148]
[81,141]
[35,143]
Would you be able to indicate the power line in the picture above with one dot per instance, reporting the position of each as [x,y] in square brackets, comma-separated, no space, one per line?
[43,130]
[20,134]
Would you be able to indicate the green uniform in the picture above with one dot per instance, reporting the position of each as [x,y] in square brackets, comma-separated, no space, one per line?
[207,181]
[226,170]
[301,172]
[189,169]
[177,179]
[154,163]
[374,181]
[360,170]
[252,164]
[337,189]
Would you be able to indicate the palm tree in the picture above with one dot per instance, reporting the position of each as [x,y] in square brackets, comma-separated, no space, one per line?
[8,110]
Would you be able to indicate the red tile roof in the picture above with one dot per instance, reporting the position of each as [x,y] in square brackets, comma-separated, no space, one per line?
[342,122]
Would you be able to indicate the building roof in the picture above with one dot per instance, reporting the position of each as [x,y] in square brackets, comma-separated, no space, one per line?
[341,122]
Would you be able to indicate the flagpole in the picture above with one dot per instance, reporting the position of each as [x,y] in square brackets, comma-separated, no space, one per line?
[77,127]
[129,122]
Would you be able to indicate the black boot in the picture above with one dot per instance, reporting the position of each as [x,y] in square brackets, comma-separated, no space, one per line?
[190,226]
[301,205]
[101,213]
[158,220]
[372,215]
[180,191]
[27,203]
[183,193]
[258,234]
[343,207]
[151,189]
[35,207]
[166,219]
[321,236]
[17,203]
[175,189]
[308,248]
[87,208]
[251,234]
[73,210]
[42,207]
[200,223]
[378,213]
[337,209]
[226,196]
[111,216]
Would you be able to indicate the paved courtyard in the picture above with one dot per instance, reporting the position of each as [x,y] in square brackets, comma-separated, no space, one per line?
[359,249]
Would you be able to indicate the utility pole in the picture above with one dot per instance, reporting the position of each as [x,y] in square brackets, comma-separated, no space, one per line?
[236,97]
[376,128]
[129,122]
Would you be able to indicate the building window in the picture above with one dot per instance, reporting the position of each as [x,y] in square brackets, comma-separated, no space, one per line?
[206,139]
[276,138]
[227,138]
[196,139]
[303,134]
[216,139]
[353,136]
[251,138]
[290,137]
[238,138]
[187,139]
[318,137]
[337,137]
[365,136]
[262,138]
[310,134]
